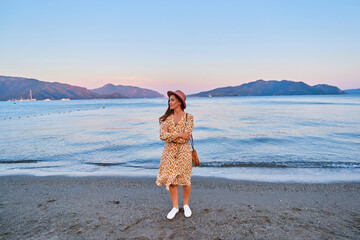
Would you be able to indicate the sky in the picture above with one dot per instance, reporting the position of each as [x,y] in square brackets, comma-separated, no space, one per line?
[179,44]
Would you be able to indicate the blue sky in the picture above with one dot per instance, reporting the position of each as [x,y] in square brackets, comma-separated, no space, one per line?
[188,45]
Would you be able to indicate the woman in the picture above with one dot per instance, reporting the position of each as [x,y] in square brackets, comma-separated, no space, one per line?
[176,160]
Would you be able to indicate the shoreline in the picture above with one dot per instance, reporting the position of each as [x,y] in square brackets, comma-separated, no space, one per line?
[261,175]
[119,207]
[149,176]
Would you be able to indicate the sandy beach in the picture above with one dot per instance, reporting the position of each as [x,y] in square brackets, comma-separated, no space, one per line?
[59,207]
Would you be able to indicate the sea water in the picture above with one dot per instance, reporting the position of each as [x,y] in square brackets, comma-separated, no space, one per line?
[258,138]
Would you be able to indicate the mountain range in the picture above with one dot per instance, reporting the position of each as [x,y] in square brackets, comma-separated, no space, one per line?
[12,88]
[128,91]
[271,88]
[18,87]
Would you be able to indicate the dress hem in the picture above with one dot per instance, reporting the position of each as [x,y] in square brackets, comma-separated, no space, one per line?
[159,183]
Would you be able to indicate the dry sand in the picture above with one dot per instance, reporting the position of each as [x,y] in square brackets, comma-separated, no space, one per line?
[60,207]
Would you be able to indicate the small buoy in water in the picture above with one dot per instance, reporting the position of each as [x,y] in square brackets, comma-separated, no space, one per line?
[103,106]
[27,116]
[9,117]
[19,117]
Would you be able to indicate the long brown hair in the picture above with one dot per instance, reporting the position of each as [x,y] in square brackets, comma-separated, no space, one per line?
[170,111]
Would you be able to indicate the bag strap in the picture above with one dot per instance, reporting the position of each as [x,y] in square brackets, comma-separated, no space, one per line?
[192,140]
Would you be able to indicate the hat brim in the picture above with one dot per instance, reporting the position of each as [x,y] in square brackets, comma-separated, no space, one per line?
[169,93]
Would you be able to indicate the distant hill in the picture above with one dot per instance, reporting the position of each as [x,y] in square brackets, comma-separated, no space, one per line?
[18,87]
[327,89]
[353,91]
[270,88]
[129,91]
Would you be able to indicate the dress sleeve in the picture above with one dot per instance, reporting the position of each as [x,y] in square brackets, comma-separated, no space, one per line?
[166,136]
[189,125]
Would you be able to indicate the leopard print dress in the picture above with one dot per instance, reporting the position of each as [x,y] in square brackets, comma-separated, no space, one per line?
[176,160]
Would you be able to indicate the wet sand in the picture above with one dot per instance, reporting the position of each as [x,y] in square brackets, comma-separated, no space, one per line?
[60,207]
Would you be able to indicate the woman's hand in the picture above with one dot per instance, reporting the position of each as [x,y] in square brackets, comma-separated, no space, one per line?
[185,135]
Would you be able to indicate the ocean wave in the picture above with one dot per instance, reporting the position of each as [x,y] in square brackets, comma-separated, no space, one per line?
[205,129]
[301,103]
[347,135]
[105,164]
[288,164]
[18,161]
[241,141]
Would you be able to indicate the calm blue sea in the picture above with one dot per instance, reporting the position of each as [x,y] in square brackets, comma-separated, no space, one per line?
[272,138]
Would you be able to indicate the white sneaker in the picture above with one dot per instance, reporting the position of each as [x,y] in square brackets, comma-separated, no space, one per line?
[187,211]
[172,213]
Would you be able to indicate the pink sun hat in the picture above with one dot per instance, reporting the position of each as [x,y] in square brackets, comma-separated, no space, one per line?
[180,94]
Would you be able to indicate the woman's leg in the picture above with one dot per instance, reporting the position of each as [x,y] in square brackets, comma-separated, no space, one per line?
[186,193]
[174,193]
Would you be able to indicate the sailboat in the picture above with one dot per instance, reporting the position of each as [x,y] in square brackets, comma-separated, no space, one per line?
[23,100]
[32,99]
